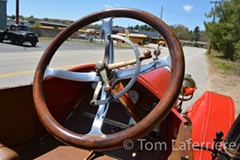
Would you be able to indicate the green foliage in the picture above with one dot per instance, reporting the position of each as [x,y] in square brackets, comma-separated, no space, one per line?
[45,19]
[183,33]
[41,39]
[196,34]
[117,26]
[36,25]
[180,31]
[225,33]
[144,27]
[12,17]
[195,44]
[21,17]
[223,66]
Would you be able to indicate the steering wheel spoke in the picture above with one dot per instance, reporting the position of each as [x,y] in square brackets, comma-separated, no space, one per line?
[99,118]
[164,62]
[127,73]
[73,76]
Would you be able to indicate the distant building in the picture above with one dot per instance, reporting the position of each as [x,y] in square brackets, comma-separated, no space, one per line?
[3,14]
[13,21]
[53,24]
[148,33]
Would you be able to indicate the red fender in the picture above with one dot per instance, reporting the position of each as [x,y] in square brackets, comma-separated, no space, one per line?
[212,112]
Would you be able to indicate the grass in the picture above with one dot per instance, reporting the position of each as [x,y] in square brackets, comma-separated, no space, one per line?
[45,39]
[224,65]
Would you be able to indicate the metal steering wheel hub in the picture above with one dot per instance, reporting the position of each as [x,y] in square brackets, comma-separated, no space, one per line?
[95,139]
[103,69]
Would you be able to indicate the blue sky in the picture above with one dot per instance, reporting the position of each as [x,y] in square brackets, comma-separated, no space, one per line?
[190,13]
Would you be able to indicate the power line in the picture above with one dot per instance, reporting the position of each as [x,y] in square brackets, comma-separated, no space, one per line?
[181,13]
[215,3]
[182,20]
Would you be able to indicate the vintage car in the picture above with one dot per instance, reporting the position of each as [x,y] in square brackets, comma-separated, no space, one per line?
[116,110]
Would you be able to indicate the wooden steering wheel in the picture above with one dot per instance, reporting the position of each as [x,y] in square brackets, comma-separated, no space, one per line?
[141,128]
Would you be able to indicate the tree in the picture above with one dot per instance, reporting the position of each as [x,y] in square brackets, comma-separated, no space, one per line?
[181,31]
[203,37]
[21,17]
[137,27]
[36,25]
[31,19]
[12,17]
[225,33]
[196,34]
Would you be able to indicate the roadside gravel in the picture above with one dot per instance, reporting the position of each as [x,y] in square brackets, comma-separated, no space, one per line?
[226,84]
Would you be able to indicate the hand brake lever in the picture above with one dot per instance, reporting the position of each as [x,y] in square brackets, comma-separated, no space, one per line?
[146,55]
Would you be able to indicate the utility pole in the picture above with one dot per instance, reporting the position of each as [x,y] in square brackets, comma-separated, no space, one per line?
[161,13]
[210,43]
[215,3]
[17,11]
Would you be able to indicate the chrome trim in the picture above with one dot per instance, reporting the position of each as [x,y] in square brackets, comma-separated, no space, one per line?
[107,28]
[161,62]
[100,116]
[74,76]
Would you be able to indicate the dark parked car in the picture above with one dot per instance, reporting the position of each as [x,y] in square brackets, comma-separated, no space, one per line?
[19,34]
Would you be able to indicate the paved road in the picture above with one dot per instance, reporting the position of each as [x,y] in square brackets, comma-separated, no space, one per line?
[195,61]
[17,63]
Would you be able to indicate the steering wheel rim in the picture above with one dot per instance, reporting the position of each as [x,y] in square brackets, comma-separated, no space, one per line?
[149,122]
